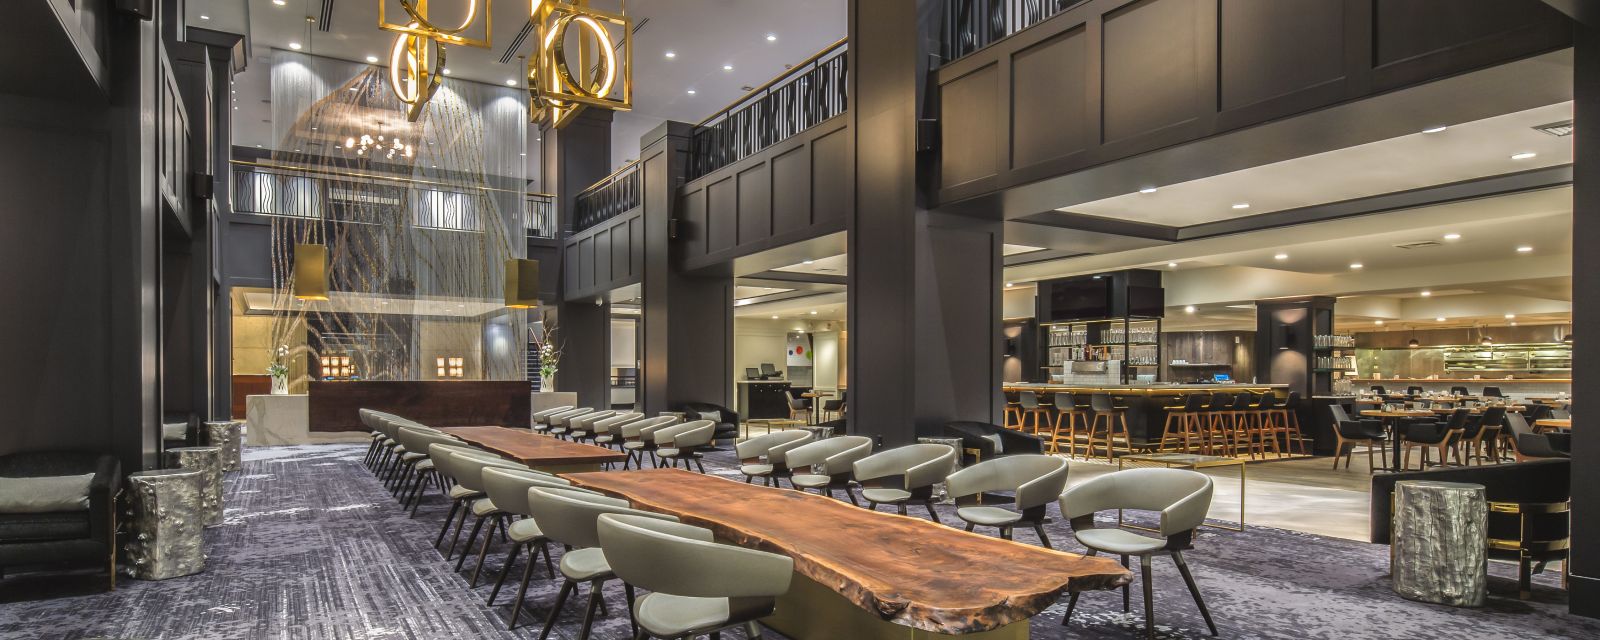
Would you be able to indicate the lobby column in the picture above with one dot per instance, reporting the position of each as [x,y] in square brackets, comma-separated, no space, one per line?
[924,287]
[1584,568]
[572,158]
[688,318]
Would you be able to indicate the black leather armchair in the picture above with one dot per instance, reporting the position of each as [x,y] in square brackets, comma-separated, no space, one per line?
[982,435]
[727,420]
[67,537]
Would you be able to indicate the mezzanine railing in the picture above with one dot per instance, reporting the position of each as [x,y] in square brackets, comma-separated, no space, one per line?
[807,94]
[603,200]
[970,25]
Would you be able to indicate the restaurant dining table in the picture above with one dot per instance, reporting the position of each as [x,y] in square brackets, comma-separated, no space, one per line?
[1444,411]
[862,574]
[538,451]
[1553,423]
[816,416]
[1391,419]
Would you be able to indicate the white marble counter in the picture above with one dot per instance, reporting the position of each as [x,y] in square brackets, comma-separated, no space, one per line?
[277,419]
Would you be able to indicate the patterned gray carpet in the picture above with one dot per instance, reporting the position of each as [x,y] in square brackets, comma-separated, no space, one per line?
[314,547]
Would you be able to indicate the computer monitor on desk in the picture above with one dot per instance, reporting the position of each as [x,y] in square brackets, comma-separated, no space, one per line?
[752,373]
[1221,377]
[768,371]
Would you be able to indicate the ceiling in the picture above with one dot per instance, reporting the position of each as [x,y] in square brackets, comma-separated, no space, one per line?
[703,35]
[1463,151]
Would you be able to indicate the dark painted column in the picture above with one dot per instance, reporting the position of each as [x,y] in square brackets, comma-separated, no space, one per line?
[924,288]
[688,344]
[1285,352]
[1585,562]
[574,157]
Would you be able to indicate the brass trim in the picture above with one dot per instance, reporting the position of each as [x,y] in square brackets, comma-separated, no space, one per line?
[1531,508]
[797,68]
[604,181]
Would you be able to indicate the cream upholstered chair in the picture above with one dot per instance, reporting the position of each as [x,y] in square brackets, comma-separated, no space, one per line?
[571,518]
[559,419]
[576,423]
[1182,497]
[774,447]
[608,432]
[445,465]
[638,438]
[682,442]
[594,429]
[391,452]
[1034,480]
[914,467]
[468,469]
[508,488]
[837,454]
[543,417]
[696,585]
[420,468]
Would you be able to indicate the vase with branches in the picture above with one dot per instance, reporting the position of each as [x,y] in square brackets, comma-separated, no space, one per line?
[279,372]
[549,356]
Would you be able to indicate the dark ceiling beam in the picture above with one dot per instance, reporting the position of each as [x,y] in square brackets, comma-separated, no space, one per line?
[1536,179]
[1040,256]
[1585,11]
[1103,225]
[788,278]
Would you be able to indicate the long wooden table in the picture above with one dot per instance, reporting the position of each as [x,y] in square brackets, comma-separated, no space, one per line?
[863,574]
[538,451]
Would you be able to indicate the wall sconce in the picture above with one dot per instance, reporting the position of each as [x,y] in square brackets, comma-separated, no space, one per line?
[310,280]
[522,283]
[450,367]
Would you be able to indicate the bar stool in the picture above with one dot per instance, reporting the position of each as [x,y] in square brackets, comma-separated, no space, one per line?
[1114,418]
[1218,436]
[1067,408]
[1029,402]
[1013,408]
[1187,417]
[1243,424]
[1291,416]
[1271,421]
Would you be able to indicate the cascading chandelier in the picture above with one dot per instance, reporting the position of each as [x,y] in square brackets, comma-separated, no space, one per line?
[555,92]
[417,58]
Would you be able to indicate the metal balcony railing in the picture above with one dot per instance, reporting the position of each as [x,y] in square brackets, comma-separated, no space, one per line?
[612,195]
[970,25]
[807,94]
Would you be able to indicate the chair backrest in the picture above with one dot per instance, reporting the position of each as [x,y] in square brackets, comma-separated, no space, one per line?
[1221,401]
[613,424]
[539,416]
[1243,401]
[1458,391]
[637,429]
[469,468]
[1493,392]
[1035,479]
[1378,389]
[587,420]
[1293,401]
[922,465]
[838,452]
[1182,496]
[1101,403]
[1518,424]
[1064,401]
[1413,391]
[508,488]
[797,404]
[1195,402]
[763,444]
[1028,399]
[689,434]
[1494,417]
[1268,401]
[684,560]
[1339,414]
[570,517]
[417,440]
[560,419]
[1458,419]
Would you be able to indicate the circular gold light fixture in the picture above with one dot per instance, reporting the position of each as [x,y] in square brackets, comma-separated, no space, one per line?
[420,17]
[413,62]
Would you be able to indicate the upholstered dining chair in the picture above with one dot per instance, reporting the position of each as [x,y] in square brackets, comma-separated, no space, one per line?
[390,448]
[596,429]
[773,447]
[837,455]
[466,468]
[543,417]
[513,498]
[508,489]
[915,468]
[608,432]
[696,585]
[1182,497]
[639,438]
[566,425]
[1349,434]
[1034,480]
[572,518]
[682,442]
[400,457]
[559,419]
[421,470]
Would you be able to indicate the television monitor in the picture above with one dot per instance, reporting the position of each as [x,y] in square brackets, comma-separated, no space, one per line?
[1087,299]
[1147,302]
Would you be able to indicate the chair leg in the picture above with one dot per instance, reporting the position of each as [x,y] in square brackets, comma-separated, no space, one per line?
[588,612]
[555,612]
[1188,579]
[932,513]
[455,505]
[483,552]
[627,594]
[1072,602]
[522,590]
[505,570]
[1125,589]
[477,526]
[1149,599]
[1043,539]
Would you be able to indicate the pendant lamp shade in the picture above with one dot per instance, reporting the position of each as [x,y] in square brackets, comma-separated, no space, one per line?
[522,283]
[310,279]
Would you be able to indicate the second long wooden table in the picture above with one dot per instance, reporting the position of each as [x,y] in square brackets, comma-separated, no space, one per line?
[538,451]
[863,574]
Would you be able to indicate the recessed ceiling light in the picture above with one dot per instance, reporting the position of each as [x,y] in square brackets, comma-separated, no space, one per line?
[1523,156]
[1452,236]
[1426,293]
[1148,190]
[1009,285]
[1281,256]
[671,54]
[1189,309]
[205,17]
[279,2]
[1510,316]
[727,67]
[511,82]
[813,312]
[772,37]
[447,70]
[774,317]
[372,58]
[1524,249]
[295,46]
[807,261]
[1356,265]
[1172,265]
[1242,205]
[1435,129]
[1439,319]
[691,92]
[1378,322]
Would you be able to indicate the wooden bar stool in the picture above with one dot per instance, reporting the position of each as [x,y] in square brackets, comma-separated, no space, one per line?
[1187,417]
[1271,421]
[1013,408]
[1219,435]
[1067,408]
[1294,439]
[1109,416]
[1029,402]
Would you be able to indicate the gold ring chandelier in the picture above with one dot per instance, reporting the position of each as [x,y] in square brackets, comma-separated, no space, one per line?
[416,60]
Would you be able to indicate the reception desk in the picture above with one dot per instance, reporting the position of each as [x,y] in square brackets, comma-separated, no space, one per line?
[763,399]
[335,406]
[1146,403]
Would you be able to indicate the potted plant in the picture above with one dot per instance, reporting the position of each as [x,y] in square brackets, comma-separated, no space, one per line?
[549,357]
[280,373]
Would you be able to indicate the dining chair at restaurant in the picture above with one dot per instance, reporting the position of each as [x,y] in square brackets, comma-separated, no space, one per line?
[639,438]
[835,407]
[543,417]
[608,432]
[397,455]
[697,586]
[583,428]
[1413,391]
[911,471]
[508,489]
[566,425]
[467,467]
[1033,480]
[837,455]
[1492,392]
[560,419]
[1527,444]
[421,470]
[509,495]
[1477,440]
[1459,391]
[1349,434]
[1431,436]
[683,442]
[571,518]
[1181,496]
[369,419]
[1378,389]
[764,456]
[799,408]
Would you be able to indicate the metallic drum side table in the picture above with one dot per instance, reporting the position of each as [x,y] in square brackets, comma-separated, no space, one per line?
[166,538]
[228,435]
[1440,542]
[208,460]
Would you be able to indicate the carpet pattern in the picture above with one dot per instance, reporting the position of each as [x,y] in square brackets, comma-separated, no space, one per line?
[314,547]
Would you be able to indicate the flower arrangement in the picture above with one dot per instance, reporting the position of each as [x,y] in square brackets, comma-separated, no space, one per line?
[549,357]
[277,370]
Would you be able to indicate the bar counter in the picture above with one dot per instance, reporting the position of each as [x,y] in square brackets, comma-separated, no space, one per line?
[1145,403]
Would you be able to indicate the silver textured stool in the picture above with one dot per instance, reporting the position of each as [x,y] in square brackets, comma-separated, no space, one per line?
[228,435]
[164,512]
[1439,544]
[208,460]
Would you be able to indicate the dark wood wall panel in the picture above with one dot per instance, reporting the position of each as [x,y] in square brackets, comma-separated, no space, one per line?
[1050,120]
[832,178]
[1270,49]
[969,107]
[791,191]
[604,257]
[692,229]
[722,214]
[755,204]
[1150,67]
